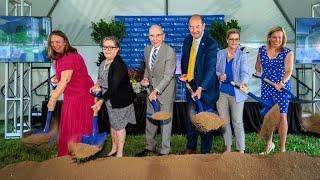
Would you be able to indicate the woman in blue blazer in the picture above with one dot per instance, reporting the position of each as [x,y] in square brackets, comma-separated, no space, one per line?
[232,66]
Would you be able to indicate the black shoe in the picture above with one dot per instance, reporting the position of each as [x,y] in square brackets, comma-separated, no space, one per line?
[160,154]
[112,155]
[100,154]
[222,130]
[145,152]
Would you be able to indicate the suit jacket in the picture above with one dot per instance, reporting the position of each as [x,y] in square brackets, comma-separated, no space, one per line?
[161,76]
[239,68]
[205,68]
[120,90]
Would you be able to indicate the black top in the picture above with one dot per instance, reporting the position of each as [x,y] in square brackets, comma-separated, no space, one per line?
[120,91]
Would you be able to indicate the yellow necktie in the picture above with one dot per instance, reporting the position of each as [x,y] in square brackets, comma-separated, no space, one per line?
[192,60]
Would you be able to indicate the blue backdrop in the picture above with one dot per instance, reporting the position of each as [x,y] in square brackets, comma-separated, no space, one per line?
[175,29]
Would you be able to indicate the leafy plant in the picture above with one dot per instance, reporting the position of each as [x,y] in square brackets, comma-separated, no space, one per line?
[219,30]
[103,29]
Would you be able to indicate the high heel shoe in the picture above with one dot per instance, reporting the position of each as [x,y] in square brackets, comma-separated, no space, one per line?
[269,149]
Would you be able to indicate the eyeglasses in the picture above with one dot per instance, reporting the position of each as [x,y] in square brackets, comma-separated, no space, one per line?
[109,48]
[237,39]
[155,35]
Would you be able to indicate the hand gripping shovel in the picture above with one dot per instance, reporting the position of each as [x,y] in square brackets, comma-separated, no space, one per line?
[267,105]
[49,117]
[157,115]
[42,138]
[203,120]
[89,145]
[271,114]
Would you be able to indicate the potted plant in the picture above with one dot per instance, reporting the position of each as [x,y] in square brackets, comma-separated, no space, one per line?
[219,30]
[102,29]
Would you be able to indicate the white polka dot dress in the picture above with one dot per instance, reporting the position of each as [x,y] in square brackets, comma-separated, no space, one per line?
[274,69]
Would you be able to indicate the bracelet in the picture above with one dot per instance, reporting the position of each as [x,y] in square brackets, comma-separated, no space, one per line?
[283,83]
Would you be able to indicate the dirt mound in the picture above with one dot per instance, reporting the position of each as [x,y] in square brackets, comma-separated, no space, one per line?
[212,166]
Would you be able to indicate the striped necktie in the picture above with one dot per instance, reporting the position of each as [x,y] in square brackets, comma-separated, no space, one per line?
[153,57]
[192,60]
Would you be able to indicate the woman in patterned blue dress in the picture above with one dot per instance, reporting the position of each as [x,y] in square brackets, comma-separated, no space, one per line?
[276,63]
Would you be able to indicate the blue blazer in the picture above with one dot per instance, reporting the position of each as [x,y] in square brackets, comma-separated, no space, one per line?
[205,69]
[239,68]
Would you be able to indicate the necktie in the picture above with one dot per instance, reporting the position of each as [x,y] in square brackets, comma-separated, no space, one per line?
[153,58]
[192,60]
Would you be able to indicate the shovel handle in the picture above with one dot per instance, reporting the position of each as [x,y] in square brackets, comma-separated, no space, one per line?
[51,108]
[238,87]
[95,112]
[53,86]
[198,103]
[153,102]
[196,99]
[265,103]
[95,126]
[266,80]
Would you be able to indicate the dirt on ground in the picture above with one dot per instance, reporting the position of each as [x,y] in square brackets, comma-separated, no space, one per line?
[225,166]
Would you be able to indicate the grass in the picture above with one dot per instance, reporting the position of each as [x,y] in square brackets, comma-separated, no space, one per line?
[13,151]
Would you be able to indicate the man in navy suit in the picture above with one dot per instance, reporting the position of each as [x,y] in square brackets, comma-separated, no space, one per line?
[200,73]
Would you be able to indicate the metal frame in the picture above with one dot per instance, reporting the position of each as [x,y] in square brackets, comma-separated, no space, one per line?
[314,70]
[19,101]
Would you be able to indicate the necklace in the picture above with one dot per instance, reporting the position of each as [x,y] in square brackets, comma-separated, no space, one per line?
[106,65]
[230,55]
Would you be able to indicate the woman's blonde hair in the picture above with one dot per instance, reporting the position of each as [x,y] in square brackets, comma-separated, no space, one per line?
[233,31]
[284,37]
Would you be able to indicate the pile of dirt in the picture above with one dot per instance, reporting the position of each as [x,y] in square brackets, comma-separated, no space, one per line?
[212,166]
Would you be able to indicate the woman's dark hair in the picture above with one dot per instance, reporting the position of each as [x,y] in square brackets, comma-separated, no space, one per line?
[68,48]
[116,43]
[114,40]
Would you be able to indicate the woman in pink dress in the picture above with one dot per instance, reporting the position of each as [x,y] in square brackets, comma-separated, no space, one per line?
[74,82]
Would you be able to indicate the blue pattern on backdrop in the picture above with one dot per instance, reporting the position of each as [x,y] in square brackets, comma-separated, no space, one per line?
[175,28]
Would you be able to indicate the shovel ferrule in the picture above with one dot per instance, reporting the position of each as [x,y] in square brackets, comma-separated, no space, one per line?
[48,121]
[155,106]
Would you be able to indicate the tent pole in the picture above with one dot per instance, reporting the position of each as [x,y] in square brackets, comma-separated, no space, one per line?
[284,14]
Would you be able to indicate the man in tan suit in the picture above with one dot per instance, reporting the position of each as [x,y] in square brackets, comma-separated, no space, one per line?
[159,72]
